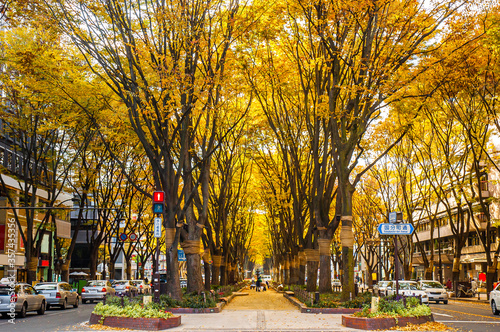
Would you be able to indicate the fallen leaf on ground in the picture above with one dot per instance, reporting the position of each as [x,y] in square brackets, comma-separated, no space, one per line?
[429,326]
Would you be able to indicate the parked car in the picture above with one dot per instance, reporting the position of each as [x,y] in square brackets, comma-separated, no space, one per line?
[142,286]
[125,287]
[58,294]
[25,297]
[96,290]
[435,290]
[381,287]
[407,288]
[495,300]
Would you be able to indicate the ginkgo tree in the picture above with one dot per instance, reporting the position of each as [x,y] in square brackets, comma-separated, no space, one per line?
[166,62]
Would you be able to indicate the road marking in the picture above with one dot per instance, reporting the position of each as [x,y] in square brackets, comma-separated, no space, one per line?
[466,313]
[435,313]
[467,321]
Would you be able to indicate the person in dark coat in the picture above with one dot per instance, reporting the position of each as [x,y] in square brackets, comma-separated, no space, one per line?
[258,283]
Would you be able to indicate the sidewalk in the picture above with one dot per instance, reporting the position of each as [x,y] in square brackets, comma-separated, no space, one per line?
[483,298]
[273,313]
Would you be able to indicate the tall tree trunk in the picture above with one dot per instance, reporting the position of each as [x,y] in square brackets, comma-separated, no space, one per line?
[65,270]
[216,269]
[173,279]
[294,270]
[32,267]
[312,258]
[207,268]
[223,275]
[129,268]
[325,271]
[286,270]
[302,267]
[111,269]
[312,273]
[347,237]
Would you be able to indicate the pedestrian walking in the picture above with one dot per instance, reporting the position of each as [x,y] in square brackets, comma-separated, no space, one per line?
[448,284]
[257,284]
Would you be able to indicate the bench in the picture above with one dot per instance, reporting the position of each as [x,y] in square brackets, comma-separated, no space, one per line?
[289,293]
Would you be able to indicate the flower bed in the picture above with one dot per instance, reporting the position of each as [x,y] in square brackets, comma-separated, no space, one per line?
[365,323]
[328,303]
[134,316]
[150,324]
[391,313]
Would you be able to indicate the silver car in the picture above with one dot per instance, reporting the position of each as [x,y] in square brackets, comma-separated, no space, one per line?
[125,287]
[495,300]
[435,290]
[20,298]
[96,290]
[142,286]
[58,294]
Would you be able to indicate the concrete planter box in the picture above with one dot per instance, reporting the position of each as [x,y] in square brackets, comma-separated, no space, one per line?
[150,324]
[364,323]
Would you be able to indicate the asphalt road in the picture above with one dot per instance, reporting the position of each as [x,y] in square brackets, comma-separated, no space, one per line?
[54,319]
[466,316]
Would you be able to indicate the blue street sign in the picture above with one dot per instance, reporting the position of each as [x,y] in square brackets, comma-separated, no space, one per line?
[395,229]
[181,255]
[123,236]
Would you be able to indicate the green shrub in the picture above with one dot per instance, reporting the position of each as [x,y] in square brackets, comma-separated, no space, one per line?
[192,300]
[134,311]
[396,308]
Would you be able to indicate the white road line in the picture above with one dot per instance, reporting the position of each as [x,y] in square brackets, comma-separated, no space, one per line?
[469,321]
[445,315]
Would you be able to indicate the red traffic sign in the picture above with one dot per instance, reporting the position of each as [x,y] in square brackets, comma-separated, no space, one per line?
[123,236]
[132,237]
[158,196]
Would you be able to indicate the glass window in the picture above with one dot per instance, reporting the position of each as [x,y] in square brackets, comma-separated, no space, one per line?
[29,290]
[45,286]
[432,284]
[121,282]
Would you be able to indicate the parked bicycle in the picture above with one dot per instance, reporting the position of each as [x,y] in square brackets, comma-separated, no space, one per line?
[463,291]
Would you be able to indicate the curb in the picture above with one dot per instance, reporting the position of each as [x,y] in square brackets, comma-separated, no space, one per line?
[466,299]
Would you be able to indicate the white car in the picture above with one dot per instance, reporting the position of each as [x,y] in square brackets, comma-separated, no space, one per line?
[20,298]
[407,288]
[495,300]
[435,290]
[381,288]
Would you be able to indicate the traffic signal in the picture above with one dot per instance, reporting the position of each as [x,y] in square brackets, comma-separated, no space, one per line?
[158,202]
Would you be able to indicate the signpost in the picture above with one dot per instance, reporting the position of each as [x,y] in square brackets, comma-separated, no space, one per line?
[133,237]
[123,236]
[158,208]
[395,227]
